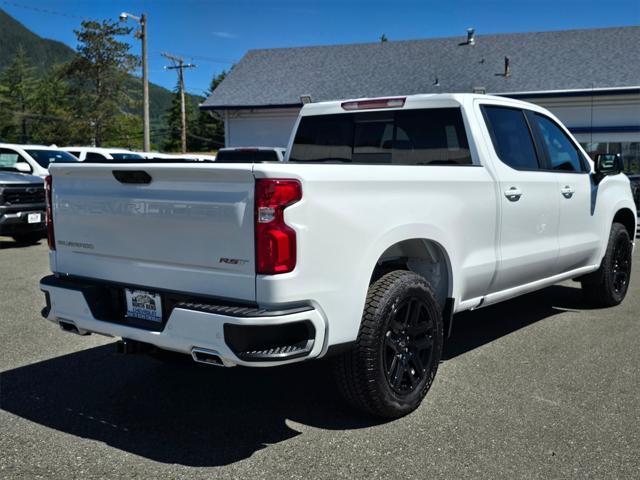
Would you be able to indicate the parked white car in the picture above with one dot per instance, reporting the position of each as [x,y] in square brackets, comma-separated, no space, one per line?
[206,157]
[250,154]
[99,155]
[151,155]
[388,216]
[179,157]
[32,159]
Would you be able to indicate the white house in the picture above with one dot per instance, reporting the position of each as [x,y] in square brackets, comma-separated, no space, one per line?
[589,78]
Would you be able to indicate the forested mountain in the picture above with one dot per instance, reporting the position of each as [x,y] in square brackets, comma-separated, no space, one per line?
[43,54]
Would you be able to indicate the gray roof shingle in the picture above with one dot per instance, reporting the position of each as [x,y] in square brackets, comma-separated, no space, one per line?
[542,61]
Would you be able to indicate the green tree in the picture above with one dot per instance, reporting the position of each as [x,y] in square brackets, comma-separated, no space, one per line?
[52,121]
[97,76]
[17,86]
[126,132]
[173,136]
[207,133]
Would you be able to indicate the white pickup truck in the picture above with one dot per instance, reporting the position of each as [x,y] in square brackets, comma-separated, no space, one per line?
[388,216]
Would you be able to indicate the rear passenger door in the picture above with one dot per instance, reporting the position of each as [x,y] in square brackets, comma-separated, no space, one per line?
[528,200]
[578,236]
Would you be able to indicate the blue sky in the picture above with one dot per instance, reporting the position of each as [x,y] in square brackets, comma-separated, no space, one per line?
[213,34]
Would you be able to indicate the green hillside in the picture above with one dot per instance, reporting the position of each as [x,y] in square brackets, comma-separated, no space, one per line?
[44,53]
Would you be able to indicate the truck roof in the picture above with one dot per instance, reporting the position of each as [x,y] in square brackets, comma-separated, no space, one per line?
[410,101]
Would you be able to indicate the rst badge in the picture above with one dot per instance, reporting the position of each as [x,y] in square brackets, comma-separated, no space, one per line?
[233,261]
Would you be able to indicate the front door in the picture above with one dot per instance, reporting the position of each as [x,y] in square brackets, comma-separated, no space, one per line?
[578,235]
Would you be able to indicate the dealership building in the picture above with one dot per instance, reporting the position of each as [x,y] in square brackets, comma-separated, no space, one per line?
[589,78]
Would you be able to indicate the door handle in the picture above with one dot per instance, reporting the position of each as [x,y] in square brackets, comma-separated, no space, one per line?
[513,194]
[567,191]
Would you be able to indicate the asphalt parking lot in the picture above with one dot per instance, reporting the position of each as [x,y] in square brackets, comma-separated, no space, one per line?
[537,387]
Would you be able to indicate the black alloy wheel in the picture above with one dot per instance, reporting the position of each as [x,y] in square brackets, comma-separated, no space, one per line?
[607,286]
[621,267]
[408,345]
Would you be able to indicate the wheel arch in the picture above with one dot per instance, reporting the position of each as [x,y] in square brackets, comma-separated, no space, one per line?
[627,218]
[426,257]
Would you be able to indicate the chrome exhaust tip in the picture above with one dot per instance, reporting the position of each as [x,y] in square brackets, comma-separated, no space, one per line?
[210,357]
[70,327]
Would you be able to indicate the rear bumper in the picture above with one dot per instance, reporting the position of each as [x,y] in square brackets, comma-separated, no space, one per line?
[238,335]
[15,221]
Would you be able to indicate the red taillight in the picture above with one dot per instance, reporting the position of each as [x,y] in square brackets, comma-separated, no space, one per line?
[275,240]
[374,103]
[49,213]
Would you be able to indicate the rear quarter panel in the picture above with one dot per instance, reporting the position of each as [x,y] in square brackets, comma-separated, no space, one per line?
[350,214]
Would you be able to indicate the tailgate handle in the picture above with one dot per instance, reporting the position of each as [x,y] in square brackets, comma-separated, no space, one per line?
[132,176]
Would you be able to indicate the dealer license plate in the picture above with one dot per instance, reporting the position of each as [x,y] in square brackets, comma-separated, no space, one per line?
[144,305]
[34,218]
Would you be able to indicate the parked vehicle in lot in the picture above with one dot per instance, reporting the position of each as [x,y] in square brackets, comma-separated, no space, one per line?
[635,189]
[99,155]
[180,157]
[250,154]
[22,206]
[388,216]
[204,157]
[33,159]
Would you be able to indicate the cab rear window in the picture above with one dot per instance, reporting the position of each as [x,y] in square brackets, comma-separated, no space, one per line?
[434,136]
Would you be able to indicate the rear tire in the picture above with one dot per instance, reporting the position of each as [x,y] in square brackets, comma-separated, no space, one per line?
[608,285]
[395,359]
[28,238]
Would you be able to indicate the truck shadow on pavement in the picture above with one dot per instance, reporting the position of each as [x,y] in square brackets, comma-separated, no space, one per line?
[197,415]
[13,244]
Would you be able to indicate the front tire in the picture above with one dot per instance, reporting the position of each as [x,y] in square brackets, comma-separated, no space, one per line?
[399,345]
[608,286]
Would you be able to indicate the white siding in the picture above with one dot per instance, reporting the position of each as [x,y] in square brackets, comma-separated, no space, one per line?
[272,128]
[268,128]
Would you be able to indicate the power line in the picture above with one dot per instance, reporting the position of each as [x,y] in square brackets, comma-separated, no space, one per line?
[204,58]
[43,10]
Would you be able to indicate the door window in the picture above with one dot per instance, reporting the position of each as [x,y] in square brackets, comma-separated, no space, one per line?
[511,137]
[563,154]
[12,160]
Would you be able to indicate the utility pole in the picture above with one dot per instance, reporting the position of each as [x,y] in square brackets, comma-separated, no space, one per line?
[145,85]
[142,36]
[178,64]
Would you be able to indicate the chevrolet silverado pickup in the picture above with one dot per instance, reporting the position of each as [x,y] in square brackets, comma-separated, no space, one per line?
[387,216]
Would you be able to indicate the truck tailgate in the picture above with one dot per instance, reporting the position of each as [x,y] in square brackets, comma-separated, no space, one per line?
[190,229]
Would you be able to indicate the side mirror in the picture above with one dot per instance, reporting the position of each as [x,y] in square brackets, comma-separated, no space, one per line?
[23,167]
[608,164]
